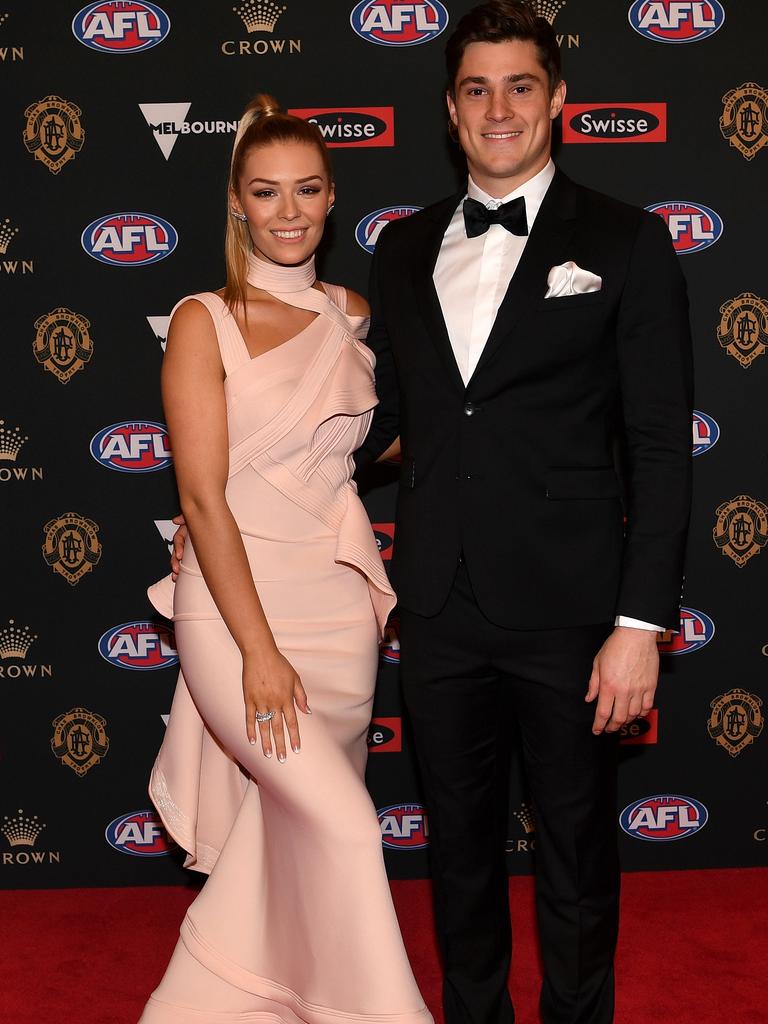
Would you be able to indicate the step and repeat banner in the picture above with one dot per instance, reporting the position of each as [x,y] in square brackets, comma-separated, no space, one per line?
[116,126]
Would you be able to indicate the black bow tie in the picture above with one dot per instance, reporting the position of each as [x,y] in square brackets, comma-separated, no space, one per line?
[511,215]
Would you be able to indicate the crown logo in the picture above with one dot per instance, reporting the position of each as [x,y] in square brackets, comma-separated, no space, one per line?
[526,819]
[11,442]
[549,9]
[21,831]
[14,641]
[260,15]
[3,19]
[7,234]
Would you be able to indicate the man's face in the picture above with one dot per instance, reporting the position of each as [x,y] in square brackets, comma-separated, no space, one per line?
[503,112]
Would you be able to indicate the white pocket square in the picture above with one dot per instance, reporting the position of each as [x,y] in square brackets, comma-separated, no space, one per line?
[570,279]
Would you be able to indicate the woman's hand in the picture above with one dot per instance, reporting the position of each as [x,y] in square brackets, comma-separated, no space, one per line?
[270,683]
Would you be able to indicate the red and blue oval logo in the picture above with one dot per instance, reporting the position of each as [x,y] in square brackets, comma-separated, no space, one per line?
[121,26]
[663,818]
[140,834]
[676,21]
[370,227]
[132,447]
[695,631]
[706,432]
[389,649]
[142,646]
[397,22]
[404,827]
[129,239]
[693,227]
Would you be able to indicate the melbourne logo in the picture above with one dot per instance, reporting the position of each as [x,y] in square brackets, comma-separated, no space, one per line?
[53,133]
[385,538]
[351,126]
[736,720]
[404,827]
[71,547]
[15,642]
[121,26]
[694,632]
[676,21]
[62,344]
[741,528]
[620,122]
[159,326]
[389,650]
[370,227]
[132,447]
[21,834]
[169,120]
[260,17]
[693,227]
[142,646]
[706,432]
[663,818]
[385,736]
[744,121]
[80,740]
[140,833]
[395,23]
[129,239]
[743,328]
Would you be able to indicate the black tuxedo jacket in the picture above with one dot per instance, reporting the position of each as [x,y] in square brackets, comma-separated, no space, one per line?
[519,468]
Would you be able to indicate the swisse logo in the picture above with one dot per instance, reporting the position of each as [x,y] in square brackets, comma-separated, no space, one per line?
[141,646]
[140,833]
[395,23]
[122,26]
[404,827]
[676,21]
[351,126]
[706,432]
[663,818]
[370,227]
[132,447]
[695,631]
[385,538]
[385,736]
[129,239]
[693,227]
[622,122]
[641,732]
[389,650]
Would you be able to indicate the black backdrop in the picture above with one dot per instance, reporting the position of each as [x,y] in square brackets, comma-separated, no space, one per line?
[81,352]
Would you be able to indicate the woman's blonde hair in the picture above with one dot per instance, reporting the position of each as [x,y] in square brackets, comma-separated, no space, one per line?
[263,123]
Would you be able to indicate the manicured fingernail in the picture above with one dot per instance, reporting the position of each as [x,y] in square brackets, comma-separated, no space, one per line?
[297,750]
[267,753]
[252,742]
[281,758]
[309,710]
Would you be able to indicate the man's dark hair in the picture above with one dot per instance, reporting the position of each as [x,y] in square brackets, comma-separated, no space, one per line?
[498,21]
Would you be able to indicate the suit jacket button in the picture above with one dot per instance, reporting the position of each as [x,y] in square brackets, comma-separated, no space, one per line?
[469,409]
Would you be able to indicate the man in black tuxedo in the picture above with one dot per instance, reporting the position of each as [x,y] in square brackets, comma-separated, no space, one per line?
[526,329]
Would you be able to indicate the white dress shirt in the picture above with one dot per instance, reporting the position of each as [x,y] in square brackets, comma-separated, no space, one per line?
[472,275]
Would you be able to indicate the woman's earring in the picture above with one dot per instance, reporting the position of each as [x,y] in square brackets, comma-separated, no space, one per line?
[330,208]
[238,216]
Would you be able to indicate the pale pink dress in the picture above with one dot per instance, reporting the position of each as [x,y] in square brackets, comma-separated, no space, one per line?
[296,921]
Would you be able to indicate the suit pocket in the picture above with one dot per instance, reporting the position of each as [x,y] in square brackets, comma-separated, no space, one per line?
[408,472]
[571,302]
[598,484]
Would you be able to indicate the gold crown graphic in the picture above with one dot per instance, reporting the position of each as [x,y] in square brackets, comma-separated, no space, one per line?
[7,234]
[21,831]
[11,442]
[525,817]
[260,15]
[14,641]
[549,9]
[3,18]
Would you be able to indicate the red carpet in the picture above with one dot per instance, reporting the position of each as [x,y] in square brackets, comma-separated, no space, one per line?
[693,949]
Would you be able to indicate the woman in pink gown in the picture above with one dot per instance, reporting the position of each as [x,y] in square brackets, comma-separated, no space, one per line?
[281,599]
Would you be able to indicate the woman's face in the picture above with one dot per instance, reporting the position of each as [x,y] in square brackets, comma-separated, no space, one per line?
[285,194]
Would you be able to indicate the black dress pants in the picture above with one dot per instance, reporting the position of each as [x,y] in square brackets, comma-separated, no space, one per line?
[465,680]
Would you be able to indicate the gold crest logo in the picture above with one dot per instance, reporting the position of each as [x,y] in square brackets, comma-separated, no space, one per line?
[80,740]
[62,343]
[549,9]
[736,720]
[743,327]
[53,133]
[71,546]
[744,121]
[741,530]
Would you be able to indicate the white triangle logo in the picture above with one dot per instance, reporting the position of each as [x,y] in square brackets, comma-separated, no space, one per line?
[166,528]
[165,120]
[165,719]
[159,325]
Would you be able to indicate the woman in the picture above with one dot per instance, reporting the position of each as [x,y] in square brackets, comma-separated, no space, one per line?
[280,601]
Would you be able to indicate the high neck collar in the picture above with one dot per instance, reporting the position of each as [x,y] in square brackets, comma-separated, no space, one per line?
[273,277]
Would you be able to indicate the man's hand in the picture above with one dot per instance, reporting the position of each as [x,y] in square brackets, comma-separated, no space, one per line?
[178,542]
[624,677]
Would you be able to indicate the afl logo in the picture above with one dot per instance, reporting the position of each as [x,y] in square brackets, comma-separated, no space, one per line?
[706,432]
[404,827]
[132,447]
[696,630]
[370,227]
[663,818]
[394,23]
[692,227]
[121,26]
[129,239]
[141,646]
[139,833]
[676,21]
[389,651]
